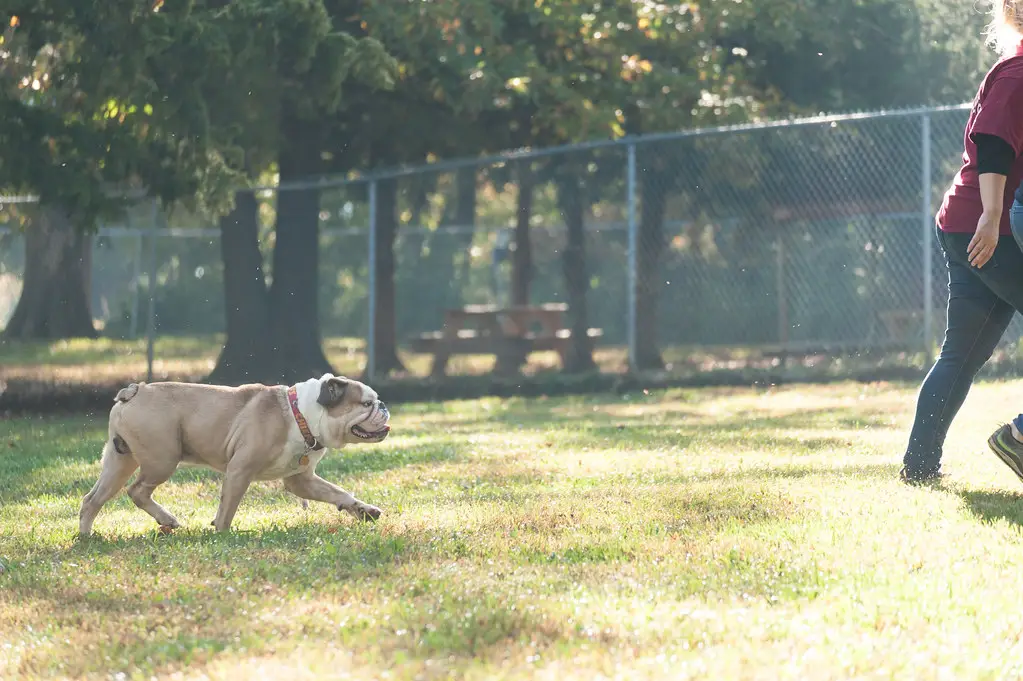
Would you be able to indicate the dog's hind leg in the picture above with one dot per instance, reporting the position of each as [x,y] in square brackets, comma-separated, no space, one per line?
[152,475]
[117,468]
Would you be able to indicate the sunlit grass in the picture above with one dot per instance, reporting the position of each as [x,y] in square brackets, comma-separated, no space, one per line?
[191,358]
[692,534]
[106,360]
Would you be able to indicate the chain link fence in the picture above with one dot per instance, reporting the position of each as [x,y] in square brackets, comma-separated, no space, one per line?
[812,236]
[805,237]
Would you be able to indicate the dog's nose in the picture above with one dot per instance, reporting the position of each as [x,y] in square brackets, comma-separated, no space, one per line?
[382,406]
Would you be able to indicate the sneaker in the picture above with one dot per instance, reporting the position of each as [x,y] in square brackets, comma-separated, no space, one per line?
[920,477]
[1008,449]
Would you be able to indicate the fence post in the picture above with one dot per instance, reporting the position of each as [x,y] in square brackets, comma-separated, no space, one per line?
[926,231]
[136,274]
[150,290]
[371,334]
[133,331]
[633,255]
[781,293]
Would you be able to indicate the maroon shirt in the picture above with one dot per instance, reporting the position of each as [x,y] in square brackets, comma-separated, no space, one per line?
[997,110]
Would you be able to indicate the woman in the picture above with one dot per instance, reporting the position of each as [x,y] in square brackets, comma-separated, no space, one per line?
[1007,441]
[984,263]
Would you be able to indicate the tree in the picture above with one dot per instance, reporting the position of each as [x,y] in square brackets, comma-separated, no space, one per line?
[522,256]
[246,308]
[570,200]
[171,110]
[55,300]
[936,46]
[479,77]
[67,139]
[752,63]
[315,58]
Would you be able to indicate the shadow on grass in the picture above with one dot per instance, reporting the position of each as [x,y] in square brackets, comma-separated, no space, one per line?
[502,482]
[29,473]
[586,413]
[992,506]
[230,581]
[672,436]
[438,616]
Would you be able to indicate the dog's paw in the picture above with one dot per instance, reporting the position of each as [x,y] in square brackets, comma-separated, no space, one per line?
[365,512]
[370,512]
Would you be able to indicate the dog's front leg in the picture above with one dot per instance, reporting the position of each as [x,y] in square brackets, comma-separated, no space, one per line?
[308,485]
[236,481]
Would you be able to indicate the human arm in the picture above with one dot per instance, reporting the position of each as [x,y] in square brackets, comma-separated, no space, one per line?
[994,162]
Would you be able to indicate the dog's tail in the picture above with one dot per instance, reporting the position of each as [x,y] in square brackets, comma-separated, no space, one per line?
[125,394]
[114,439]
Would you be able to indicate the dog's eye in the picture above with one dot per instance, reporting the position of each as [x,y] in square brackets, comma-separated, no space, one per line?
[368,403]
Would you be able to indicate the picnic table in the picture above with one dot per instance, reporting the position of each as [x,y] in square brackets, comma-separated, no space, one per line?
[510,333]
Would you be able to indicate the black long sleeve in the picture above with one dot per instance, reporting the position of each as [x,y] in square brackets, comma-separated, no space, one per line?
[994,155]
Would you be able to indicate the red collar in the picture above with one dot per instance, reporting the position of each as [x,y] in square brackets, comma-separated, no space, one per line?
[303,426]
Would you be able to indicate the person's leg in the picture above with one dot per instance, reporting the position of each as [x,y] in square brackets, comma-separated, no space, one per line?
[977,318]
[1016,220]
[1007,440]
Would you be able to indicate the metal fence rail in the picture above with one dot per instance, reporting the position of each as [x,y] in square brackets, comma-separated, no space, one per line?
[807,235]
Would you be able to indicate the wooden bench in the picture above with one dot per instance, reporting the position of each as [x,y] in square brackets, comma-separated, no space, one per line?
[510,333]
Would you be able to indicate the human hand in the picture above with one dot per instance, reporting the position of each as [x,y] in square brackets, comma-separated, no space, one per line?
[985,239]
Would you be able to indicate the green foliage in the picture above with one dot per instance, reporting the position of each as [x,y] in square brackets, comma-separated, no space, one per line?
[528,72]
[185,99]
[835,56]
[179,98]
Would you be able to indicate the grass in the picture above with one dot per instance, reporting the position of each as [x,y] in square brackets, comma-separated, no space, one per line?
[88,361]
[692,534]
[105,360]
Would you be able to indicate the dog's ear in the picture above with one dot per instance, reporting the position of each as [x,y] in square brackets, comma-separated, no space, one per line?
[332,391]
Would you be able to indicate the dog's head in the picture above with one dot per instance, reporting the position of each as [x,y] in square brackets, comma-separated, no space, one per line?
[350,412]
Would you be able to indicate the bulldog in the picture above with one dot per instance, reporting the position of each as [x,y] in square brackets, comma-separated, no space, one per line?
[252,432]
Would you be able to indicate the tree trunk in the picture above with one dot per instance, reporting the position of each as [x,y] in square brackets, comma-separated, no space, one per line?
[385,322]
[54,300]
[577,283]
[420,265]
[465,218]
[294,312]
[247,356]
[653,198]
[522,257]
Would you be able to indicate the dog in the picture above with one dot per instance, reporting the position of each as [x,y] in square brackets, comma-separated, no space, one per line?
[252,432]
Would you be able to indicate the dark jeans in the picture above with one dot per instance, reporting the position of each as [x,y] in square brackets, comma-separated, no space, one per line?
[981,303]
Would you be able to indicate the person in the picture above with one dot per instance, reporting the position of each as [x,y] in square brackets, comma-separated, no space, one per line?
[983,260]
[1007,440]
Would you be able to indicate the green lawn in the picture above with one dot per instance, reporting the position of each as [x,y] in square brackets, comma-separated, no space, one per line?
[105,360]
[192,357]
[702,534]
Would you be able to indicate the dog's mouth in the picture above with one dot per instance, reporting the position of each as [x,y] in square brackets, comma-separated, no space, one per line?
[363,434]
